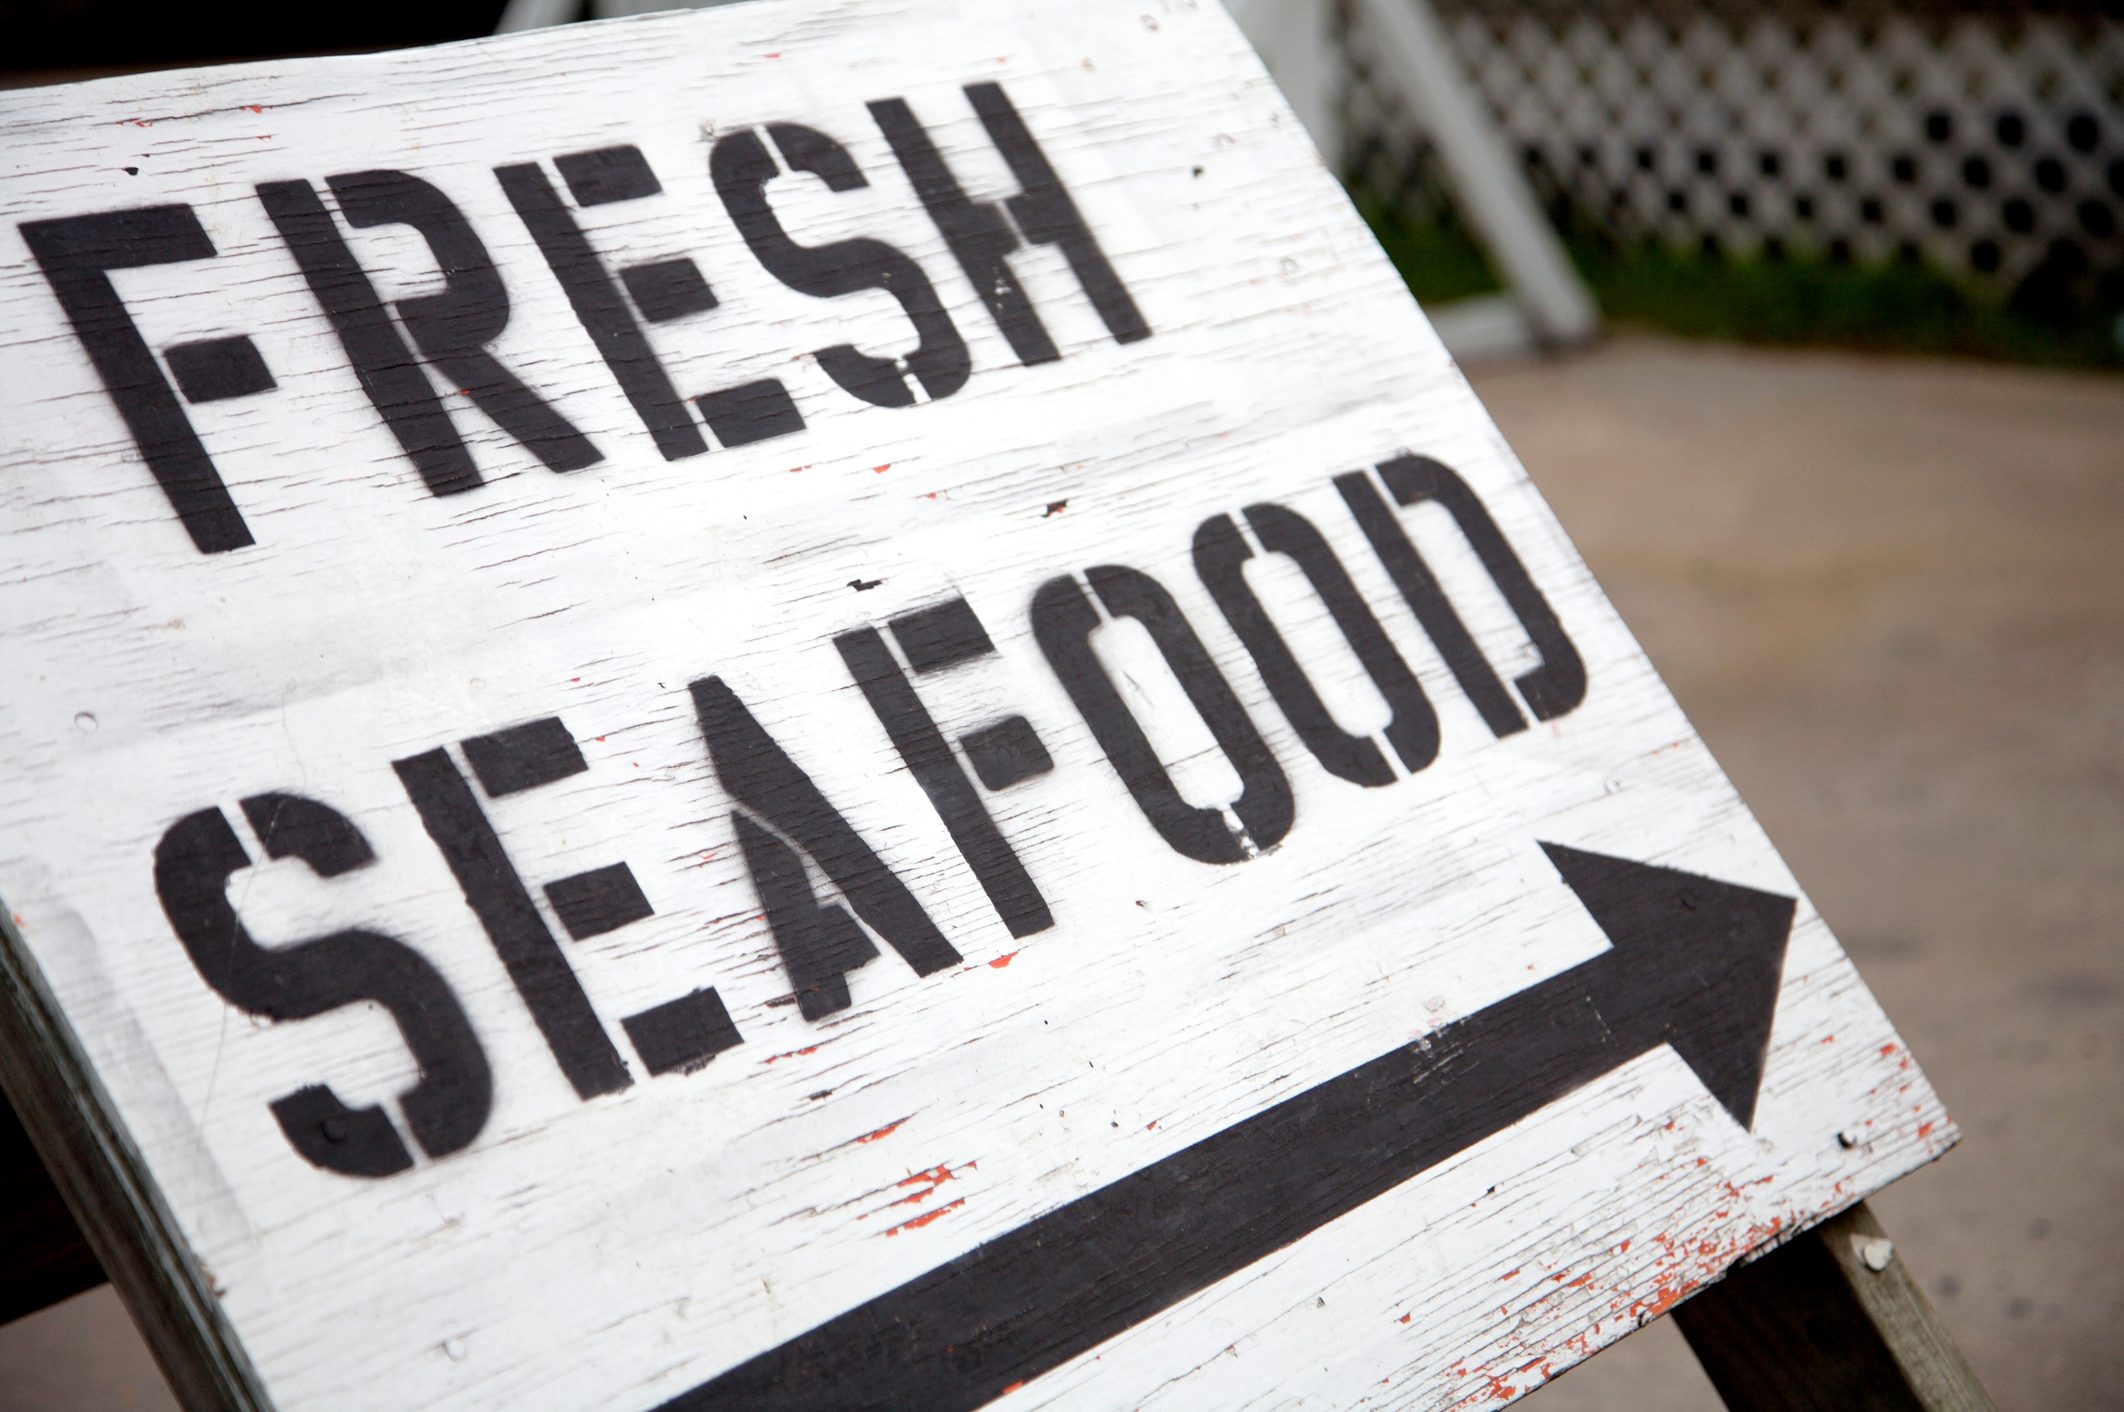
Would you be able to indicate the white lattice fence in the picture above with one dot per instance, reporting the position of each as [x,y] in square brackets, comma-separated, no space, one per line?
[1988,144]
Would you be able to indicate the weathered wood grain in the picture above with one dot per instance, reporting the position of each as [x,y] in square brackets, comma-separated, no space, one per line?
[1830,1321]
[384,1084]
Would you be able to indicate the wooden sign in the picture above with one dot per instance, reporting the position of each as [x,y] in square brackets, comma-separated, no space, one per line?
[835,705]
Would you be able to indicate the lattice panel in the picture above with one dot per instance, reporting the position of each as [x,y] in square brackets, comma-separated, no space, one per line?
[1990,145]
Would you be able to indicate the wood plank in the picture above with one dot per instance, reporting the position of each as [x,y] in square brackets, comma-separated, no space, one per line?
[1831,1321]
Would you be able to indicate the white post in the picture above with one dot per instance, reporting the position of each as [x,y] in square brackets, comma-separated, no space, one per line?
[1485,176]
[536,14]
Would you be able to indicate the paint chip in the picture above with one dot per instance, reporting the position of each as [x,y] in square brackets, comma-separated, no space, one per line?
[926,1217]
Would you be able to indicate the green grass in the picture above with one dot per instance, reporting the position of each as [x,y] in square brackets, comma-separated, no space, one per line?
[1894,308]
[1439,261]
[1891,308]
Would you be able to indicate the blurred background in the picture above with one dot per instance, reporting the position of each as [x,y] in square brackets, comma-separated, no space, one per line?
[1808,318]
[1930,177]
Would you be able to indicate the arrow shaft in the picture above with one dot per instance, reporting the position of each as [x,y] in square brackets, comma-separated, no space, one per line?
[1066,1282]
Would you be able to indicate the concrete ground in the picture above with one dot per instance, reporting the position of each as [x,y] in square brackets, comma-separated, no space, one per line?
[1890,594]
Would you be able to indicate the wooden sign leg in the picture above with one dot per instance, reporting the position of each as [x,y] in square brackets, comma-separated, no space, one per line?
[1832,1321]
[43,1258]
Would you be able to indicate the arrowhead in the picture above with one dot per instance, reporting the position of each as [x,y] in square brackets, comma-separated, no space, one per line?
[1700,959]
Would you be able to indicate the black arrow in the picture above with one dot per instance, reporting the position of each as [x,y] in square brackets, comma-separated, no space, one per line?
[1695,964]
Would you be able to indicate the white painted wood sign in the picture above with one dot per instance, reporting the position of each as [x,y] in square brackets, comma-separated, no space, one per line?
[835,705]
